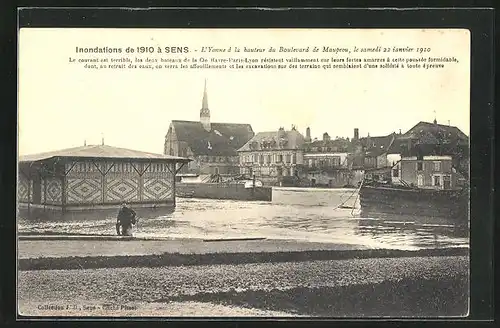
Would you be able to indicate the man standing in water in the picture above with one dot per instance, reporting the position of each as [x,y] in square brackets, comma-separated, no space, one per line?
[126,218]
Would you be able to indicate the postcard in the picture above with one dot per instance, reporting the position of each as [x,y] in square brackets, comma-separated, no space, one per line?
[243,172]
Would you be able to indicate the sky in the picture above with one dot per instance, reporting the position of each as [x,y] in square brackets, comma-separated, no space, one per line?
[62,104]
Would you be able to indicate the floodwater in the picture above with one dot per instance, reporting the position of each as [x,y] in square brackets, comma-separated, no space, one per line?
[303,214]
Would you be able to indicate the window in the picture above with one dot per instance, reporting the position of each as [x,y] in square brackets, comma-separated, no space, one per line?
[437,180]
[395,173]
[420,166]
[293,158]
[288,158]
[268,160]
[280,158]
[261,159]
[336,161]
[437,166]
[446,182]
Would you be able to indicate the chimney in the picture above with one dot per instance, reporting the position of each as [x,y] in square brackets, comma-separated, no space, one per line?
[308,134]
[356,134]
[326,137]
[85,142]
[281,137]
[102,139]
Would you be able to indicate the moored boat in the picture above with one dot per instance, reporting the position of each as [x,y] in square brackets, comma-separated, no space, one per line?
[401,200]
[217,187]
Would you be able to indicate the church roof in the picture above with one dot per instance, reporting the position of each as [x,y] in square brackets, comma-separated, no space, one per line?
[271,141]
[224,139]
[99,152]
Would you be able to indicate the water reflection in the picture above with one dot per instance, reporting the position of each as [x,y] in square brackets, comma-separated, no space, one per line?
[311,215]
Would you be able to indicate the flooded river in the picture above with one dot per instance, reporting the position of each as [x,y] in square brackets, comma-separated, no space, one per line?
[302,214]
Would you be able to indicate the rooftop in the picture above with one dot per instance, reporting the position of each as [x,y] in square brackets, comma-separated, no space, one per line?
[435,133]
[273,140]
[223,139]
[99,151]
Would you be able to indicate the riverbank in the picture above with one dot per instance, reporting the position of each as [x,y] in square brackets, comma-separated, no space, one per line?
[377,287]
[66,253]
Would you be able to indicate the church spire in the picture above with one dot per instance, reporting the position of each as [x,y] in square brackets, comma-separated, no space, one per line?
[205,112]
[204,103]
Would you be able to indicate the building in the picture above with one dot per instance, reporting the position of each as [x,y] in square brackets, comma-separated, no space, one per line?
[380,152]
[435,172]
[329,162]
[433,156]
[433,139]
[213,147]
[98,176]
[272,156]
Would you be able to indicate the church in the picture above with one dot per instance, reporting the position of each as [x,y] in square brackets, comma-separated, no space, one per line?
[211,146]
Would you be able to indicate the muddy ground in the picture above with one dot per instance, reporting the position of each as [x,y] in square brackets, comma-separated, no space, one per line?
[395,287]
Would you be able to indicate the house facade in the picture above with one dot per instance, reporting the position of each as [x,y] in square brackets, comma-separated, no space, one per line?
[328,162]
[272,156]
[429,172]
[212,147]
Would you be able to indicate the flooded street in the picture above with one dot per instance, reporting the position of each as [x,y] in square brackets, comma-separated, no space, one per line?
[307,215]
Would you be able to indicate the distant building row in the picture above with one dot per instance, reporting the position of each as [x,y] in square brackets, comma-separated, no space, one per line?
[428,155]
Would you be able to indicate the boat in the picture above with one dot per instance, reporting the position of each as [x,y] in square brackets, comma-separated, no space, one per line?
[413,201]
[219,187]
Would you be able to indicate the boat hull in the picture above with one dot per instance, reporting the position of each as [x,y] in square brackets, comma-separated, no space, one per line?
[450,204]
[223,191]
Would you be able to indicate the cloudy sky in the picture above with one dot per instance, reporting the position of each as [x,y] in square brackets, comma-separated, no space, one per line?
[62,104]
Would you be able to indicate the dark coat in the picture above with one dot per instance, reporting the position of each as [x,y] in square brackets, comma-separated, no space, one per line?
[126,217]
